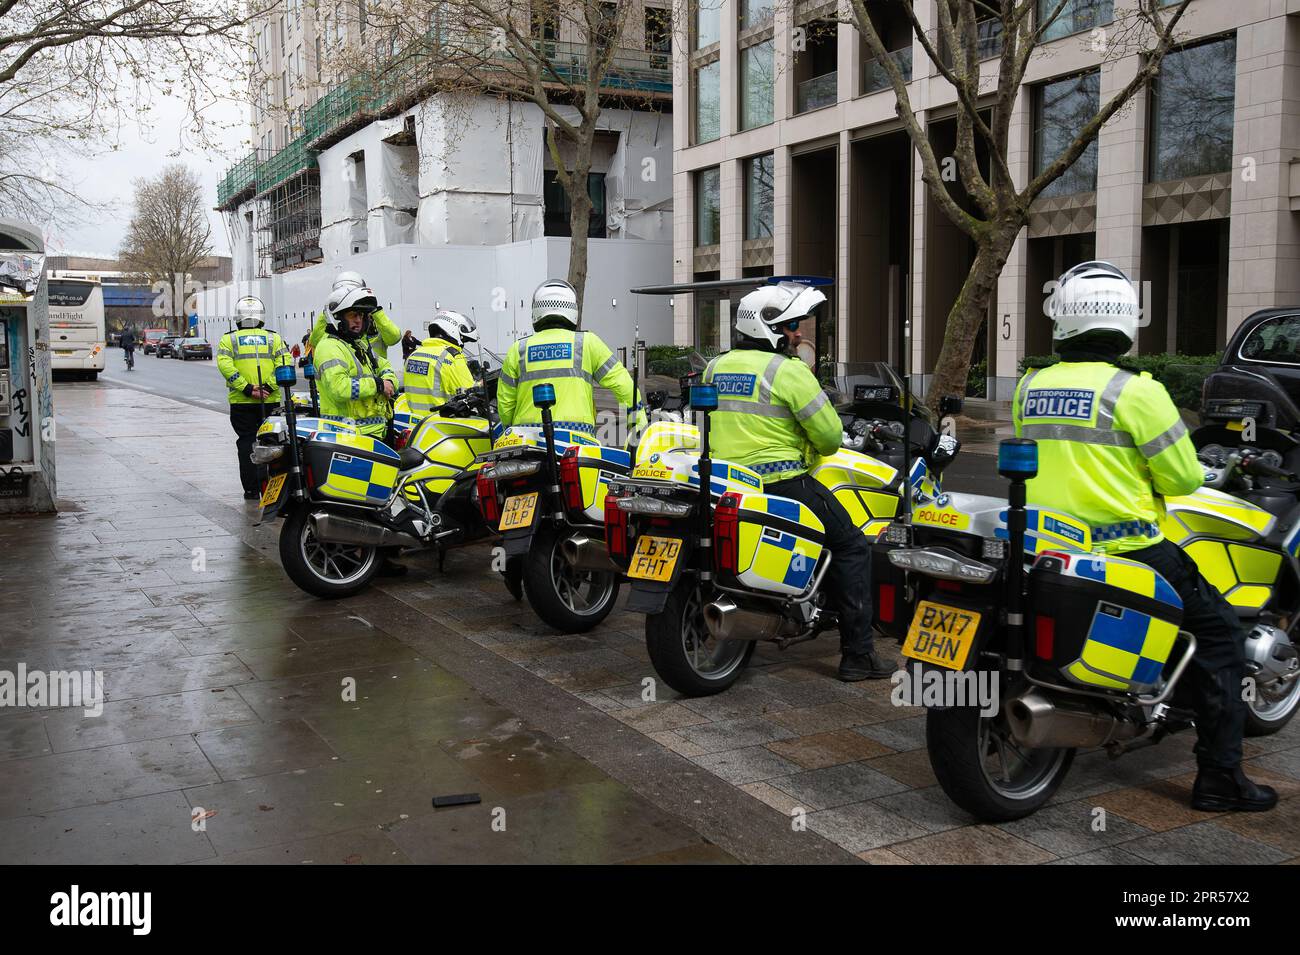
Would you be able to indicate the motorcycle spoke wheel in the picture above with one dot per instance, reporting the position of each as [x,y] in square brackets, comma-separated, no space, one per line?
[582,592]
[1011,771]
[337,563]
[710,658]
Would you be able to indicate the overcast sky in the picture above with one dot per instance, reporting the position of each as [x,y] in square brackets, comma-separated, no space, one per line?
[143,153]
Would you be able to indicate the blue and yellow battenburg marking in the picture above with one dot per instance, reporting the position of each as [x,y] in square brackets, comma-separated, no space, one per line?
[1125,649]
[534,437]
[597,465]
[770,557]
[355,477]
[1211,513]
[1049,530]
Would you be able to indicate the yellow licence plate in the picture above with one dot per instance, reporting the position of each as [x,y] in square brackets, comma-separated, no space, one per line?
[273,489]
[519,511]
[655,558]
[941,635]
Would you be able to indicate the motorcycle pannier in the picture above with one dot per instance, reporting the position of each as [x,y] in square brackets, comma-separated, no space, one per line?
[1102,622]
[766,543]
[353,467]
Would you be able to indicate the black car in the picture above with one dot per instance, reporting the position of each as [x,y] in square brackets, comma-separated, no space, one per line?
[1259,374]
[170,347]
[195,348]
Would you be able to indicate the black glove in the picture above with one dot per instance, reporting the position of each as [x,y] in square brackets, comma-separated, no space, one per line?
[248,391]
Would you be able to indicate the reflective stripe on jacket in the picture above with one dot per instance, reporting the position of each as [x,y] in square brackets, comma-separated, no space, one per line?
[1110,445]
[346,383]
[249,357]
[573,362]
[435,372]
[772,414]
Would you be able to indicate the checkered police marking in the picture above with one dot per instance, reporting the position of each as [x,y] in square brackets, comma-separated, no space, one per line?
[1059,403]
[735,384]
[552,352]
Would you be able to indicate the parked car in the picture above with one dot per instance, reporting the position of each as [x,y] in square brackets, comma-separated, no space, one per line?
[150,338]
[195,348]
[170,347]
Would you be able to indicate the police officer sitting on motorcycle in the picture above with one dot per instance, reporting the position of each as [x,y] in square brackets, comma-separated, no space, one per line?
[774,417]
[1111,444]
[437,369]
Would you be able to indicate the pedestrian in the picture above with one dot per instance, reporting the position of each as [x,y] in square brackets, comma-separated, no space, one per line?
[409,344]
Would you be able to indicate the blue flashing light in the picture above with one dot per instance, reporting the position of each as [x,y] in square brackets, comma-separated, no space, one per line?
[704,397]
[544,395]
[285,375]
[1018,458]
[309,370]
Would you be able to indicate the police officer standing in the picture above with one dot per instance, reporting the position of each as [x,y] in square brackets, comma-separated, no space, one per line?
[1111,445]
[247,358]
[383,332]
[355,384]
[774,417]
[573,361]
[437,369]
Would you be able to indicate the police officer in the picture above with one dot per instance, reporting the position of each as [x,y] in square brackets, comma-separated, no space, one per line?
[437,369]
[1111,444]
[247,358]
[774,417]
[383,332]
[573,361]
[354,383]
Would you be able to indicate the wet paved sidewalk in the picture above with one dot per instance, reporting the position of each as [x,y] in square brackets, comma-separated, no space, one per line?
[225,692]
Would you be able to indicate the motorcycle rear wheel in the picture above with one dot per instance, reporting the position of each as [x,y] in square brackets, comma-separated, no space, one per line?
[324,570]
[684,653]
[1265,716]
[984,772]
[570,600]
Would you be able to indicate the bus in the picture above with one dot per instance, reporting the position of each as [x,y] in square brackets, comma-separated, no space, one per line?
[77,337]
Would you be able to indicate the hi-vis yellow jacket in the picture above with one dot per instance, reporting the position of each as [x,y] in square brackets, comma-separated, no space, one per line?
[247,357]
[1110,445]
[772,415]
[346,383]
[435,372]
[574,362]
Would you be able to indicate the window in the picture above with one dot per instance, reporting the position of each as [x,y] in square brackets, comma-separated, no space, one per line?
[361,16]
[755,13]
[1277,339]
[1192,111]
[708,106]
[756,86]
[708,22]
[1060,111]
[318,59]
[708,206]
[1075,17]
[658,37]
[558,206]
[758,197]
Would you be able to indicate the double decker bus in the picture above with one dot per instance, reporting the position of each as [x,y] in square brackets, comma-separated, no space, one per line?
[77,335]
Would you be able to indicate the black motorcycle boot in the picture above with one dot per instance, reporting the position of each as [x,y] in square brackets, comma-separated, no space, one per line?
[865,666]
[1230,790]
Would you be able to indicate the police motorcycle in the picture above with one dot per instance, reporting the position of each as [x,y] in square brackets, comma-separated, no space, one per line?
[716,565]
[345,496]
[1024,646]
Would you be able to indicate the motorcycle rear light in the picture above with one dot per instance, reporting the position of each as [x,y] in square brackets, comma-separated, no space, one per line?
[1044,637]
[949,585]
[726,534]
[885,602]
[311,478]
[571,481]
[488,503]
[615,528]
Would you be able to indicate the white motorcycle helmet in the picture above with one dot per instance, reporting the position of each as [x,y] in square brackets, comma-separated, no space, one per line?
[453,327]
[555,301]
[763,311]
[349,298]
[1092,297]
[250,313]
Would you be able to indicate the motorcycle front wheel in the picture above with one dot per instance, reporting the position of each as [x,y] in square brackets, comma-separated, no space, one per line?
[324,570]
[684,653]
[984,771]
[566,598]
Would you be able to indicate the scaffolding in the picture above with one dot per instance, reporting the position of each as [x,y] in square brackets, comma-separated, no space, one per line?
[288,231]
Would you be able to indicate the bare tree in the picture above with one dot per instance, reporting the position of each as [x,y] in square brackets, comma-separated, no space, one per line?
[557,54]
[986,95]
[73,71]
[168,235]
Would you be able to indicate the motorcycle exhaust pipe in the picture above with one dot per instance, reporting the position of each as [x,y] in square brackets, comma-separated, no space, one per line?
[727,621]
[584,553]
[333,529]
[1038,722]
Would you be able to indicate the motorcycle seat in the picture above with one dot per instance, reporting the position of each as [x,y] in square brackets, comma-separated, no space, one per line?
[411,458]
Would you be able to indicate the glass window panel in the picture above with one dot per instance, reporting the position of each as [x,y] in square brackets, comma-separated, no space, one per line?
[708,22]
[1061,110]
[1075,17]
[755,12]
[1192,111]
[708,102]
[708,206]
[758,197]
[756,86]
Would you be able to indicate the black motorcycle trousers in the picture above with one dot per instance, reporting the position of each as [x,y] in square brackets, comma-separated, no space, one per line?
[849,575]
[1212,684]
[246,419]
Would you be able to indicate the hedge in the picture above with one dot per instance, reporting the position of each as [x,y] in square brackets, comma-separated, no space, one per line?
[1183,384]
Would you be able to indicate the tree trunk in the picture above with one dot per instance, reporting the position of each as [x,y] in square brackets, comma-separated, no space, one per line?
[579,216]
[967,314]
